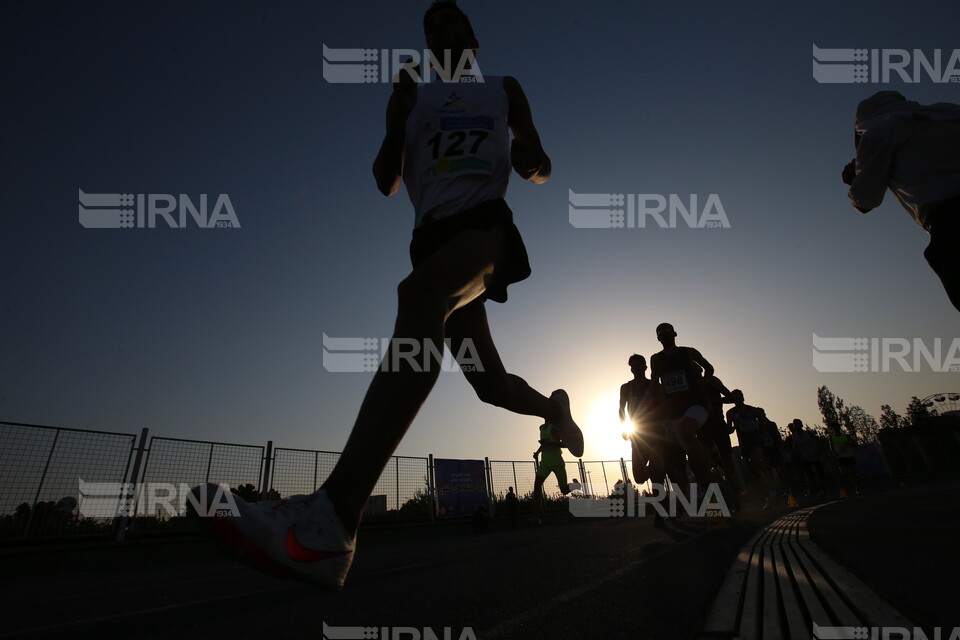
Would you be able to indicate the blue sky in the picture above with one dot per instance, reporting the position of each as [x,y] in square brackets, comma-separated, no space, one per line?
[217,334]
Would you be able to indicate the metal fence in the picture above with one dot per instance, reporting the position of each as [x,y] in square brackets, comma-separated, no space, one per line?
[43,468]
[521,474]
[193,462]
[40,471]
[401,491]
[177,465]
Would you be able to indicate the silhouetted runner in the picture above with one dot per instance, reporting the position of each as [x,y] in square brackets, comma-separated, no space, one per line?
[771,442]
[640,401]
[655,453]
[549,459]
[715,434]
[842,446]
[450,144]
[914,150]
[745,419]
[678,370]
[805,456]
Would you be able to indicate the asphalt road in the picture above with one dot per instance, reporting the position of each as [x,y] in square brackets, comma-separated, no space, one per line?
[571,578]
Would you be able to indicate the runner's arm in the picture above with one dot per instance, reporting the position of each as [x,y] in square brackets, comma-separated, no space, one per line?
[623,403]
[697,357]
[526,153]
[655,368]
[715,382]
[874,165]
[388,165]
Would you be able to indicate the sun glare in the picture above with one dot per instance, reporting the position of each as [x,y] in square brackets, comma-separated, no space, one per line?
[603,431]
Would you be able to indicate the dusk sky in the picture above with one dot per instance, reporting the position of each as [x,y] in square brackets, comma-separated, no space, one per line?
[217,334]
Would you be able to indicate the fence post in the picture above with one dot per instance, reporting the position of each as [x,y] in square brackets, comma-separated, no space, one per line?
[43,477]
[396,461]
[583,476]
[431,488]
[515,487]
[490,500]
[121,525]
[265,487]
[623,469]
[316,468]
[209,462]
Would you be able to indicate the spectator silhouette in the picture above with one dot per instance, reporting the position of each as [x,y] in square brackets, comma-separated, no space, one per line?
[914,150]
[510,507]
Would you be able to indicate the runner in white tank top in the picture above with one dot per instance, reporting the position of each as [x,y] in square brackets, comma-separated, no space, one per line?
[457,147]
[449,142]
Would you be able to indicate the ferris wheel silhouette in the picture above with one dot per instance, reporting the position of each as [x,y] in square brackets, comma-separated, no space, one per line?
[942,404]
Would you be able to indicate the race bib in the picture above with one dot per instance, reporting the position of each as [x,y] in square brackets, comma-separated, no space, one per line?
[454,146]
[674,382]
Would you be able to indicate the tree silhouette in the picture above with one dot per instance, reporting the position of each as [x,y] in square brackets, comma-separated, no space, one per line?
[890,419]
[831,407]
[917,413]
[247,492]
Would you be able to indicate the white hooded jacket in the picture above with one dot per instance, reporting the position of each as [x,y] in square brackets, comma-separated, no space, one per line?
[911,148]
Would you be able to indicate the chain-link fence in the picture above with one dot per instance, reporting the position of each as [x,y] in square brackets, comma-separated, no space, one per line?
[175,465]
[41,469]
[602,475]
[519,474]
[44,469]
[403,490]
[300,471]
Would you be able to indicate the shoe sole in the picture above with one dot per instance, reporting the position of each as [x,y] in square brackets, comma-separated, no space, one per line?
[573,440]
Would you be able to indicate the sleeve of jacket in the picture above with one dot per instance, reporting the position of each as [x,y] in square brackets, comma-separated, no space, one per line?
[875,159]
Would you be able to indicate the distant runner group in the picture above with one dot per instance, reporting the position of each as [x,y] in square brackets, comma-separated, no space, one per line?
[676,420]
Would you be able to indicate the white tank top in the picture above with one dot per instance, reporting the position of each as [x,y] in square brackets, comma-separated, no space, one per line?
[457,150]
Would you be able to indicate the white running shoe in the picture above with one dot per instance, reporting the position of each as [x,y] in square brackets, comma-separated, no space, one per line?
[570,434]
[300,537]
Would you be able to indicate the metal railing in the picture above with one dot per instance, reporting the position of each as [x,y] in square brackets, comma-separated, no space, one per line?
[400,492]
[40,470]
[43,467]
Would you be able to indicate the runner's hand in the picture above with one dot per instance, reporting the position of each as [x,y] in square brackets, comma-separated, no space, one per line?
[525,158]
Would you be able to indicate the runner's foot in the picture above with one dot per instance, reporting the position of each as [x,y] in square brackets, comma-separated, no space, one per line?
[300,537]
[570,433]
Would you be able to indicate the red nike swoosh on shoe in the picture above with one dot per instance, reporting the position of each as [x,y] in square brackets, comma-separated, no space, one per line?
[298,552]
